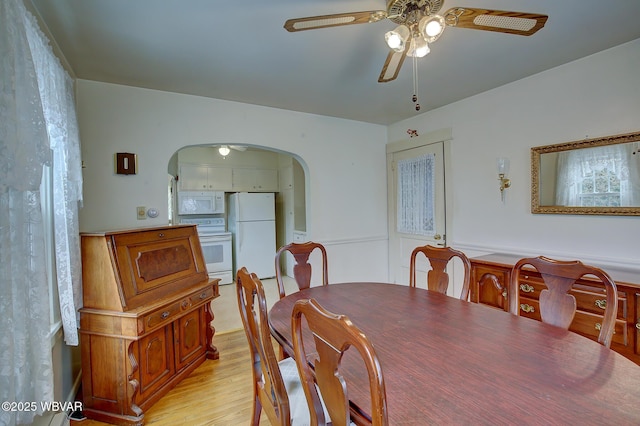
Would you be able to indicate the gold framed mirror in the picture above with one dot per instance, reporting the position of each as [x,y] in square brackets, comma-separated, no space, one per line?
[599,176]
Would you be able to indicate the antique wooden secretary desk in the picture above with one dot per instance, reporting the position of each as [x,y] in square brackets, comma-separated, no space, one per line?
[146,320]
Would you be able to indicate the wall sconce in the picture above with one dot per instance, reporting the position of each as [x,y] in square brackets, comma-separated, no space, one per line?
[503,169]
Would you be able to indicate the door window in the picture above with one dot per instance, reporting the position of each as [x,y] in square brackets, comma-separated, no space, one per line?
[416,195]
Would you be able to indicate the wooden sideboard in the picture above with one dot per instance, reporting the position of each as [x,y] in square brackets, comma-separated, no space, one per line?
[146,320]
[491,274]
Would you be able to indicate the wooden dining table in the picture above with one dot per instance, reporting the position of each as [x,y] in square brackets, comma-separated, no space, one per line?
[447,361]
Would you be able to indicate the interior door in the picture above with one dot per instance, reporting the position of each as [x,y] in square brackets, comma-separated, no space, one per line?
[402,242]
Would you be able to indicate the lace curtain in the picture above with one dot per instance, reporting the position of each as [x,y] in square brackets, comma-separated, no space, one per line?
[56,95]
[416,195]
[575,165]
[38,127]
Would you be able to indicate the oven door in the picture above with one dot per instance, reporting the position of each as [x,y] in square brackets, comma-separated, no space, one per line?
[216,250]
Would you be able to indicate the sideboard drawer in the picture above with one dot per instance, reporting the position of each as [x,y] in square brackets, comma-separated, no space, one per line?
[530,308]
[596,302]
[585,323]
[588,324]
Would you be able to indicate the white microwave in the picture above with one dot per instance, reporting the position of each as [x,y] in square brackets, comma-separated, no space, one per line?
[200,202]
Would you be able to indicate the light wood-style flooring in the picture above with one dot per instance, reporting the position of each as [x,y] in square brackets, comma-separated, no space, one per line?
[216,393]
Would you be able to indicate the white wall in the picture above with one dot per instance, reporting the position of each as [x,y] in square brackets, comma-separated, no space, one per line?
[595,96]
[345,160]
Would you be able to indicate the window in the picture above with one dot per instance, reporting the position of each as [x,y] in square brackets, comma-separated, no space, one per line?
[416,195]
[595,177]
[599,187]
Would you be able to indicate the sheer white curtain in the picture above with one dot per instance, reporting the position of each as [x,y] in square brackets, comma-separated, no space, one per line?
[416,195]
[56,95]
[575,165]
[36,117]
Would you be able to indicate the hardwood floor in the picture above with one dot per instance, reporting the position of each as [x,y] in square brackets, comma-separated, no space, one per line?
[216,393]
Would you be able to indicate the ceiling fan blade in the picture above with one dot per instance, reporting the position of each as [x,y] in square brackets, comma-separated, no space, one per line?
[495,20]
[324,21]
[391,66]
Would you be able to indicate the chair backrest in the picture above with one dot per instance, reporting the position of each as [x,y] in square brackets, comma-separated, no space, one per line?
[557,305]
[333,335]
[302,268]
[269,391]
[437,277]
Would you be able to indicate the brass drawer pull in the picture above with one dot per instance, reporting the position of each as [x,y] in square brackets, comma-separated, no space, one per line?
[161,234]
[599,327]
[203,295]
[527,288]
[527,308]
[165,314]
[602,304]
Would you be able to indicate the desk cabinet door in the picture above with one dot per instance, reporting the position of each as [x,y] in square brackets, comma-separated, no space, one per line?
[190,335]
[490,287]
[156,360]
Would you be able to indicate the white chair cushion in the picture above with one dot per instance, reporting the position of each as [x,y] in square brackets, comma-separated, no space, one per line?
[298,407]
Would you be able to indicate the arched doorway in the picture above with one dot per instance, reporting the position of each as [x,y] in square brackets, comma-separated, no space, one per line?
[245,169]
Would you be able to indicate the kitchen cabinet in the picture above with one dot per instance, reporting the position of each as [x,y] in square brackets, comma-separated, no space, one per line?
[255,180]
[491,274]
[146,320]
[198,177]
[286,178]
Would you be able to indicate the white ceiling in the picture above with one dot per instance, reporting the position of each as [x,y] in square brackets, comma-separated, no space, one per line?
[239,50]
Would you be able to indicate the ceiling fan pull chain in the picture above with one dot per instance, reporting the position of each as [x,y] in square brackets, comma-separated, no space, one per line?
[415,83]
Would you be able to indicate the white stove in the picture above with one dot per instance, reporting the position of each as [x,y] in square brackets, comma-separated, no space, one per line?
[216,246]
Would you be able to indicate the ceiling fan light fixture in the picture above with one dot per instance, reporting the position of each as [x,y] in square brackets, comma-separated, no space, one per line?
[396,39]
[431,27]
[419,47]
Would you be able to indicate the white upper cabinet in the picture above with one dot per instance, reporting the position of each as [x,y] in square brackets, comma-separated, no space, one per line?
[255,180]
[195,177]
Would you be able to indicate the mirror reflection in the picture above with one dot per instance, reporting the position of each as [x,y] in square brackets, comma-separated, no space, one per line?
[593,176]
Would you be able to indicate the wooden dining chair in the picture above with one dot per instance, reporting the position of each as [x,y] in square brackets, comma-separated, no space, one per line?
[437,276]
[333,336]
[557,305]
[302,268]
[276,385]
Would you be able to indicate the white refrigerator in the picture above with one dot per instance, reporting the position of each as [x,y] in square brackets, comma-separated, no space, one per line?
[252,221]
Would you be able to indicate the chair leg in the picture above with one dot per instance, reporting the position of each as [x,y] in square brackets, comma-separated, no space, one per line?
[257,410]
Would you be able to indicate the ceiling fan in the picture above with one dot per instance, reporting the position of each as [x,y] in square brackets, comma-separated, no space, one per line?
[224,150]
[420,24]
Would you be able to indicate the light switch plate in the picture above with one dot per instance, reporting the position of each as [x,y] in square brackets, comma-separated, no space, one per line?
[142,212]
